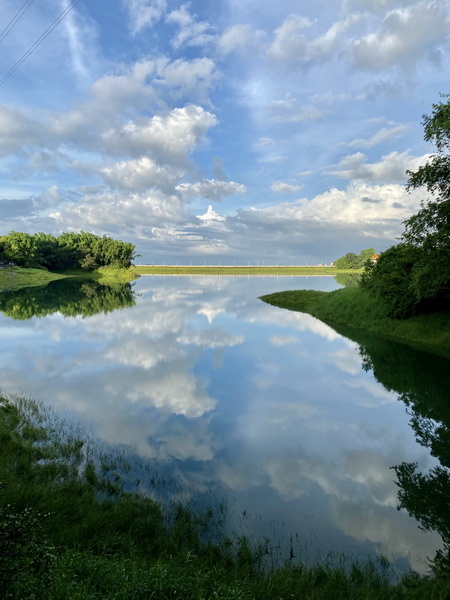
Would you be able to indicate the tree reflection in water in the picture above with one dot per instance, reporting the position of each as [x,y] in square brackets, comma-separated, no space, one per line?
[70,297]
[422,381]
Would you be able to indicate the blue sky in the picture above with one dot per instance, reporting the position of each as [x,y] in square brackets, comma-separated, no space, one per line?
[232,131]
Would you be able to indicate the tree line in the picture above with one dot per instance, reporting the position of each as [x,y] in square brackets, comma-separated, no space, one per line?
[413,276]
[66,251]
[354,261]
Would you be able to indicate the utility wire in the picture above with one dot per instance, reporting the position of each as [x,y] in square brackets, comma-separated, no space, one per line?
[22,10]
[39,41]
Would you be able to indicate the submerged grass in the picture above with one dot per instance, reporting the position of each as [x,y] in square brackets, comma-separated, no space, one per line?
[69,531]
[358,308]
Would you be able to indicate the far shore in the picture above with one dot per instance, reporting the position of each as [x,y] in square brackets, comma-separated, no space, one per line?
[319,270]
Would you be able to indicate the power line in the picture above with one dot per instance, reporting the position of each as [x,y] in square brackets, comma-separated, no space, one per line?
[39,41]
[22,10]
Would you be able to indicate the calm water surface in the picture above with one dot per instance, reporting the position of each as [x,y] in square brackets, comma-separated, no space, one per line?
[294,425]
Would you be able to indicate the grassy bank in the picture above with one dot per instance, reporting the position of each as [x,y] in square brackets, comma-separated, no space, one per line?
[69,531]
[19,277]
[357,308]
[232,270]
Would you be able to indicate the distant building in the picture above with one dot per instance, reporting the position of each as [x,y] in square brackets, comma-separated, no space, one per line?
[374,258]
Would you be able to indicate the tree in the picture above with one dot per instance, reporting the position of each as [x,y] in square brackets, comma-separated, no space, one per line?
[425,274]
[20,248]
[353,261]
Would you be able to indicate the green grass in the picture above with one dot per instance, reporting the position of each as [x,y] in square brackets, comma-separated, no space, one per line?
[357,308]
[68,531]
[19,277]
[229,270]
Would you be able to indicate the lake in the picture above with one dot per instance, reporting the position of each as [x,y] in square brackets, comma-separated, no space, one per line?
[293,426]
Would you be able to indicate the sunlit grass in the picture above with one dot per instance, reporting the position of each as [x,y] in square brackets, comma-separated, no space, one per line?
[18,277]
[356,307]
[238,270]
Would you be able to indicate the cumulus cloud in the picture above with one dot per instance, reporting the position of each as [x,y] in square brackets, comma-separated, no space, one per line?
[405,36]
[171,137]
[391,168]
[350,204]
[185,76]
[291,45]
[210,216]
[141,174]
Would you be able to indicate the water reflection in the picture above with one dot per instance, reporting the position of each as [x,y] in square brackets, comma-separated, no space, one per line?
[69,297]
[265,407]
[423,384]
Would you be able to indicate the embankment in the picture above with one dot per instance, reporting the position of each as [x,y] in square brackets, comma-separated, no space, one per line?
[356,308]
[18,277]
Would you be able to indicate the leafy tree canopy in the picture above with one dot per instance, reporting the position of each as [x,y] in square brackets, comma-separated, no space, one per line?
[414,276]
[353,261]
[69,250]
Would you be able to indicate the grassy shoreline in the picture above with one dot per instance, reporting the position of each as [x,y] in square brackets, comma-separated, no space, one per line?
[357,308]
[239,270]
[19,277]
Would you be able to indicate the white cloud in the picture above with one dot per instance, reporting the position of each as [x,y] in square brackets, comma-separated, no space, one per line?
[406,35]
[81,35]
[383,135]
[289,111]
[144,13]
[291,45]
[171,137]
[141,174]
[210,216]
[281,187]
[240,39]
[191,31]
[210,189]
[186,76]
[391,168]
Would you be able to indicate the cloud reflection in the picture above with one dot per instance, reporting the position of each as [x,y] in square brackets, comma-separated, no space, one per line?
[266,403]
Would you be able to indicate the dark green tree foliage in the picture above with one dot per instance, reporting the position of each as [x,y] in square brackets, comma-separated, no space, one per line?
[354,261]
[420,266]
[20,248]
[67,251]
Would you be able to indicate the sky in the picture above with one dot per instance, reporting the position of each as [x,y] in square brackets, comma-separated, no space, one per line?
[225,132]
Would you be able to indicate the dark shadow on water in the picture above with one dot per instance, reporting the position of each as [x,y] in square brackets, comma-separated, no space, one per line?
[70,297]
[422,381]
